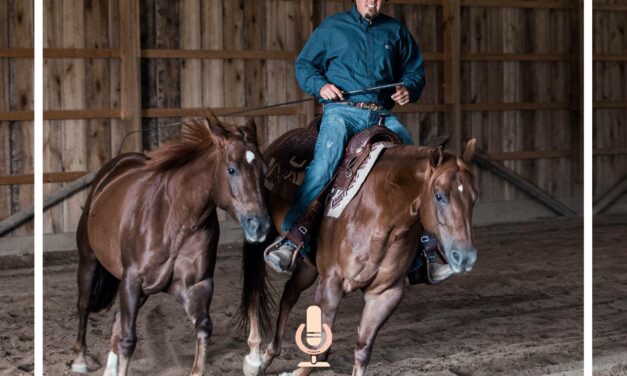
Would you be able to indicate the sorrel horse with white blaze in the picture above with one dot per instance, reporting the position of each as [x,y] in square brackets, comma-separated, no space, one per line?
[371,245]
[149,225]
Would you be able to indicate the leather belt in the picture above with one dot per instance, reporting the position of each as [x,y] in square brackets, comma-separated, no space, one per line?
[363,105]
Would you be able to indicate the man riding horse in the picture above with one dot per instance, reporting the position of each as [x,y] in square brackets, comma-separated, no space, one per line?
[348,51]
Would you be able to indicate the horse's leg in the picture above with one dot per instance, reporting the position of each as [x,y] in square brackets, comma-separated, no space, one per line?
[302,278]
[378,308]
[328,297]
[196,300]
[130,301]
[112,359]
[86,272]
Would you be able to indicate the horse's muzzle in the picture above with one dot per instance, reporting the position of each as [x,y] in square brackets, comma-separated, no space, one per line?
[255,227]
[462,261]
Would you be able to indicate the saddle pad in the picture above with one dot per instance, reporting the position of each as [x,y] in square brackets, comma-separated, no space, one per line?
[339,199]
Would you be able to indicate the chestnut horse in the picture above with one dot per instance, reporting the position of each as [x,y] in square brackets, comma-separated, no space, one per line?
[370,246]
[149,225]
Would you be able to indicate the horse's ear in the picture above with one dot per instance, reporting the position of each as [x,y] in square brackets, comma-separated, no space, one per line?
[216,131]
[471,148]
[436,157]
[250,131]
[414,210]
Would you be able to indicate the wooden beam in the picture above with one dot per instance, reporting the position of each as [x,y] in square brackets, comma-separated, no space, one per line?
[519,106]
[484,161]
[452,72]
[49,177]
[610,7]
[515,57]
[130,71]
[517,4]
[602,57]
[610,151]
[576,73]
[82,114]
[25,214]
[219,54]
[610,105]
[610,196]
[219,111]
[16,116]
[17,53]
[535,154]
[81,53]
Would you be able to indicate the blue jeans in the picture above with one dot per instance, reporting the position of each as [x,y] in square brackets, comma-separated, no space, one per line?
[339,123]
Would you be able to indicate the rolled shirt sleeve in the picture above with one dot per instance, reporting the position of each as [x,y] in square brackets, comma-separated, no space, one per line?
[310,64]
[412,65]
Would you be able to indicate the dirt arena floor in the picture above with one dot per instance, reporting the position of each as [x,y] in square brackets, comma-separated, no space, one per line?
[519,312]
[610,296]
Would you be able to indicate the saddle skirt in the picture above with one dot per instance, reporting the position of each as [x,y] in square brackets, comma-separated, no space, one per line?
[291,153]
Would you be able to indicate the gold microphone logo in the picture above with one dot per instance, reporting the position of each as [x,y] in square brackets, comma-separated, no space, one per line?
[315,328]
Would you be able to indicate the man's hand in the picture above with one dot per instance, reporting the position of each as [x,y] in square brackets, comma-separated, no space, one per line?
[401,96]
[331,92]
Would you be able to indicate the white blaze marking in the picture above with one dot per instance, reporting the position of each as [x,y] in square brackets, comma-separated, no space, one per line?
[460,188]
[250,156]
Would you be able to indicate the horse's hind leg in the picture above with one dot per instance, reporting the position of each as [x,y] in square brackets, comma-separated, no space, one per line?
[378,308]
[302,278]
[111,368]
[131,299]
[86,272]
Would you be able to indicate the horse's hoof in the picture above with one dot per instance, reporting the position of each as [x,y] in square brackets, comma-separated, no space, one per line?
[112,365]
[252,366]
[79,368]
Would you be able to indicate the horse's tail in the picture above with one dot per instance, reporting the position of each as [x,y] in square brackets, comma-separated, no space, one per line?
[104,288]
[257,293]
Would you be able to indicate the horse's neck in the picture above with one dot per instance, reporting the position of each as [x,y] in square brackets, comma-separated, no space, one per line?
[191,189]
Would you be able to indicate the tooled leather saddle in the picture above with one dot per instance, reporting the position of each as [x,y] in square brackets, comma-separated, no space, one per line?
[291,153]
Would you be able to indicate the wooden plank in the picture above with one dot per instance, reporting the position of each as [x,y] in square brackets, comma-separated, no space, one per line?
[607,57]
[610,197]
[74,132]
[610,151]
[233,36]
[117,130]
[191,69]
[535,154]
[49,177]
[218,54]
[452,96]
[610,104]
[610,7]
[220,111]
[82,114]
[82,53]
[16,115]
[20,53]
[21,99]
[97,89]
[130,72]
[517,4]
[213,70]
[516,106]
[516,57]
[254,12]
[275,70]
[5,131]
[483,161]
[577,121]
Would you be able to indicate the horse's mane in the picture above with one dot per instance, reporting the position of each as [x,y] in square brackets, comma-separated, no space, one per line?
[195,140]
[421,152]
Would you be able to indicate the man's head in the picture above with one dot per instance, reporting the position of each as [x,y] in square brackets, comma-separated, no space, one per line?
[369,9]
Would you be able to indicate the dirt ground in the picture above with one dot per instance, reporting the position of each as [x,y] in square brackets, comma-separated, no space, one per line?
[519,312]
[610,296]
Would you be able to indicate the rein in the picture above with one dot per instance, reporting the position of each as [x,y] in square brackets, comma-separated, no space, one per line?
[349,93]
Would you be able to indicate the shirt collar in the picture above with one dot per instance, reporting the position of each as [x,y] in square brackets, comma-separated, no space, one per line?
[360,19]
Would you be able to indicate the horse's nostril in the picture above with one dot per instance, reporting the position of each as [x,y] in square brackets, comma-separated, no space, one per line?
[457,257]
[252,223]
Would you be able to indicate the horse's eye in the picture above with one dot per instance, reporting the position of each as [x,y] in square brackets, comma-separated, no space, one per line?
[439,197]
[231,171]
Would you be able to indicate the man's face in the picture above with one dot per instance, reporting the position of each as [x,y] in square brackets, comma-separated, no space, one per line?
[369,9]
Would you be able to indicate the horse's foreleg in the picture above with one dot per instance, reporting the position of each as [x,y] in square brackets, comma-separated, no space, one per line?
[328,297]
[377,310]
[130,301]
[252,361]
[196,301]
[302,278]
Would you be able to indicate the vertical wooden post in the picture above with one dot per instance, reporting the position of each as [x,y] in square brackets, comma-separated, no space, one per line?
[130,73]
[452,71]
[576,70]
[307,17]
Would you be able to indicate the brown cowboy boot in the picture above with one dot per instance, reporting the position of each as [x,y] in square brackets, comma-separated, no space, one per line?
[280,254]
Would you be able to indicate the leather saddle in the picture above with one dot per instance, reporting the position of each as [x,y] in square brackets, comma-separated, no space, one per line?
[291,153]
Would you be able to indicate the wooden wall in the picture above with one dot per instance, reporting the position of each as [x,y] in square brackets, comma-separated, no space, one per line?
[517,92]
[16,100]
[610,94]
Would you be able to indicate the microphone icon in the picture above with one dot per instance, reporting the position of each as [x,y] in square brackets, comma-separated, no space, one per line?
[315,328]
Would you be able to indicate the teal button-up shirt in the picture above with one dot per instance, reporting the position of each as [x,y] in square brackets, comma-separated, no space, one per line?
[352,53]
